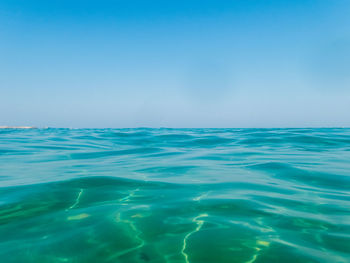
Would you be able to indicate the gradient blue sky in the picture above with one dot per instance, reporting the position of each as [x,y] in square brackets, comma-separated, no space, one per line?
[175,63]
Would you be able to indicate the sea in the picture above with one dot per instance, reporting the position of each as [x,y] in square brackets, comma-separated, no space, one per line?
[175,195]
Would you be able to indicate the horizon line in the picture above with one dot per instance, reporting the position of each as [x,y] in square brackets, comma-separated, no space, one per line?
[160,127]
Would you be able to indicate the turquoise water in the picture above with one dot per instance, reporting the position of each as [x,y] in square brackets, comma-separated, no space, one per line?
[175,195]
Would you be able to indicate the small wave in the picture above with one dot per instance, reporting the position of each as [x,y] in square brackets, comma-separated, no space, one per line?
[101,154]
[319,179]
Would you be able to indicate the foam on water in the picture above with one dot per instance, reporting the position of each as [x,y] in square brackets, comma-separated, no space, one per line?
[175,195]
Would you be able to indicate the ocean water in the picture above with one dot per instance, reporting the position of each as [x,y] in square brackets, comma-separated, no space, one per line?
[174,195]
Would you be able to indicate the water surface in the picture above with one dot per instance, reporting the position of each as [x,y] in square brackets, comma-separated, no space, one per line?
[175,195]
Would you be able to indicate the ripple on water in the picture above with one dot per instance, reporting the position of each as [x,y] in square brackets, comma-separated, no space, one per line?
[175,195]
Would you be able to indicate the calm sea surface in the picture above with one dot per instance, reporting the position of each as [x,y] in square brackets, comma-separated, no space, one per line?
[174,195]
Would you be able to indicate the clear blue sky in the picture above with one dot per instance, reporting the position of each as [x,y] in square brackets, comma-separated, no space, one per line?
[175,63]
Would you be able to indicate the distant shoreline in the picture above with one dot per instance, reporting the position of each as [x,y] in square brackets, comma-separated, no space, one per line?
[17,127]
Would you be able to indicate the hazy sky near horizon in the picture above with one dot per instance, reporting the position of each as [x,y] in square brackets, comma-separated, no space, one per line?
[175,63]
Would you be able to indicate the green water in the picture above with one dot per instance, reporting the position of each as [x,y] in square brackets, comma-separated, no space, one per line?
[175,195]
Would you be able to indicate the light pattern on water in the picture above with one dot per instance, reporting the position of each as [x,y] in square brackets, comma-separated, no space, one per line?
[175,195]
